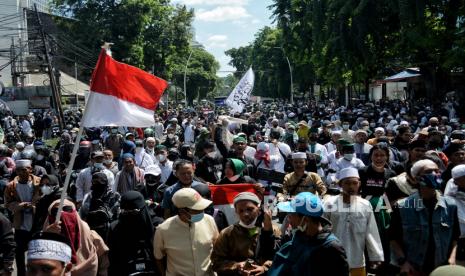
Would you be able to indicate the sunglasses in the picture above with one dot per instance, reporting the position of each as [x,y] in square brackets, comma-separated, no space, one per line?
[67,209]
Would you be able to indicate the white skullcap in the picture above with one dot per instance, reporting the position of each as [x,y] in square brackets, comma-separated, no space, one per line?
[404,123]
[23,163]
[458,171]
[360,131]
[379,129]
[419,165]
[299,155]
[336,132]
[348,172]
[20,145]
[49,250]
[150,139]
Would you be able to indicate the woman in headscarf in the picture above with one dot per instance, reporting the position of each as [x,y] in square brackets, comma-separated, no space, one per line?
[51,191]
[100,198]
[233,173]
[89,252]
[131,238]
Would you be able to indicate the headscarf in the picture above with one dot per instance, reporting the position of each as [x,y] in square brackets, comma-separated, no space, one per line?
[237,166]
[263,153]
[87,245]
[140,224]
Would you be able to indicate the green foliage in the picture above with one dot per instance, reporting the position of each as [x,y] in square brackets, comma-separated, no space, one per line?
[201,73]
[153,35]
[268,60]
[339,42]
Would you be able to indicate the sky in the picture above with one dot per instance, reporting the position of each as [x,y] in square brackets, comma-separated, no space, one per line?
[224,24]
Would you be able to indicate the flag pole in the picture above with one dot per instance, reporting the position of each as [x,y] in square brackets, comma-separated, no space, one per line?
[69,170]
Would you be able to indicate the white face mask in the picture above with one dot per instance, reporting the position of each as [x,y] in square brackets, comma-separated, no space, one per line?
[171,136]
[40,157]
[99,166]
[211,154]
[161,157]
[345,127]
[46,190]
[234,178]
[348,156]
[248,226]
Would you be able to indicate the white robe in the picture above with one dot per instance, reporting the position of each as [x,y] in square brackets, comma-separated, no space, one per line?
[355,226]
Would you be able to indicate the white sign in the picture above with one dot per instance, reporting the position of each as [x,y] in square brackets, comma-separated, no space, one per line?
[241,93]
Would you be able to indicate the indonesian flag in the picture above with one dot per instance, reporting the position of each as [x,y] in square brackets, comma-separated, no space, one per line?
[223,198]
[121,95]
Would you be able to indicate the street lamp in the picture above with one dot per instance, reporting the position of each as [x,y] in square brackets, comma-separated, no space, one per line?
[290,72]
[185,76]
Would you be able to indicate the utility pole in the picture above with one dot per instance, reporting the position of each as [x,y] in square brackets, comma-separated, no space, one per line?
[76,82]
[53,84]
[14,80]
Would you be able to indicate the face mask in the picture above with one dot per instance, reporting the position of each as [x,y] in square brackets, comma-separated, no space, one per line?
[366,127]
[114,131]
[46,190]
[348,156]
[98,190]
[345,127]
[248,226]
[161,157]
[211,154]
[107,162]
[197,217]
[234,178]
[154,183]
[171,136]
[372,125]
[40,157]
[99,166]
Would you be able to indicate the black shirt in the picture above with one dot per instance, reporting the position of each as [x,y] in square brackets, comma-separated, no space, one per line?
[373,183]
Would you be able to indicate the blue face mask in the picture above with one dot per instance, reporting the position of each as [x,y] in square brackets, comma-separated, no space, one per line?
[432,180]
[197,217]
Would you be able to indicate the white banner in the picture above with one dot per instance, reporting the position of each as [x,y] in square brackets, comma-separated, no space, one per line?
[241,93]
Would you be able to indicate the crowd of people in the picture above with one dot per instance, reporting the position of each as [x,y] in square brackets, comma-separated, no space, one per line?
[375,187]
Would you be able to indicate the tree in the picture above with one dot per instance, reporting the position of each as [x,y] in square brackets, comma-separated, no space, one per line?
[201,74]
[268,60]
[150,34]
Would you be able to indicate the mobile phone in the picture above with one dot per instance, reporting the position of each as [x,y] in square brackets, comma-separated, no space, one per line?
[249,264]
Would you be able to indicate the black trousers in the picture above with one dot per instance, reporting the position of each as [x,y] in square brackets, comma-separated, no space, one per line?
[22,238]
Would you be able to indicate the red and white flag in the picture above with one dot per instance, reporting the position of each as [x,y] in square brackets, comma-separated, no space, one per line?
[223,198]
[121,95]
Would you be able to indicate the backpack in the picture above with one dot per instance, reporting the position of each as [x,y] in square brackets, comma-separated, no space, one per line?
[141,261]
[99,219]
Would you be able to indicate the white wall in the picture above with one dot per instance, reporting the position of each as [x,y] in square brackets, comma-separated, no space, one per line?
[394,90]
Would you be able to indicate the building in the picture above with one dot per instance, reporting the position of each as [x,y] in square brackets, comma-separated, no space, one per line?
[14,35]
